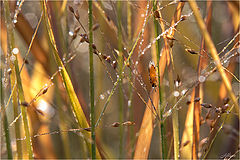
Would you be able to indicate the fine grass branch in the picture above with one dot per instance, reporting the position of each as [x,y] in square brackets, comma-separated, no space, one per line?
[91,71]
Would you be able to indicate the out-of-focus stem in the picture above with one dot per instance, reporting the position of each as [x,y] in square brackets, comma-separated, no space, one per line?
[92,116]
[120,70]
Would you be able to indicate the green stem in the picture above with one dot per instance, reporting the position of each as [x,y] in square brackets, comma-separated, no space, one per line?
[5,123]
[120,70]
[92,116]
[158,51]
[130,104]
[24,112]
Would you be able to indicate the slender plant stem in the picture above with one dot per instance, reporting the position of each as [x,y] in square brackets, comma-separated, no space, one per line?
[5,121]
[130,104]
[92,116]
[158,51]
[213,52]
[120,70]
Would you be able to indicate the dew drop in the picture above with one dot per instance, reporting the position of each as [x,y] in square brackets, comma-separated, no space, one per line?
[184,91]
[201,79]
[129,103]
[108,92]
[15,51]
[12,58]
[70,33]
[14,21]
[60,68]
[136,62]
[176,93]
[102,96]
[142,15]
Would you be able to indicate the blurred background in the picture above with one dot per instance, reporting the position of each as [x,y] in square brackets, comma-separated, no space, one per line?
[49,111]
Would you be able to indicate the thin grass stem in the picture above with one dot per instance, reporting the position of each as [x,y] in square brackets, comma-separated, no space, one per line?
[92,116]
[120,70]
[5,121]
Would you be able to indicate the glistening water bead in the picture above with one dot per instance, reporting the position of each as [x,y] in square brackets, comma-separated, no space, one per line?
[102,96]
[12,58]
[15,51]
[176,93]
[129,103]
[201,79]
[70,33]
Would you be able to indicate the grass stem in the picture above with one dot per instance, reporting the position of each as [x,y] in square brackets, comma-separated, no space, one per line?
[5,121]
[158,51]
[92,116]
[120,70]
